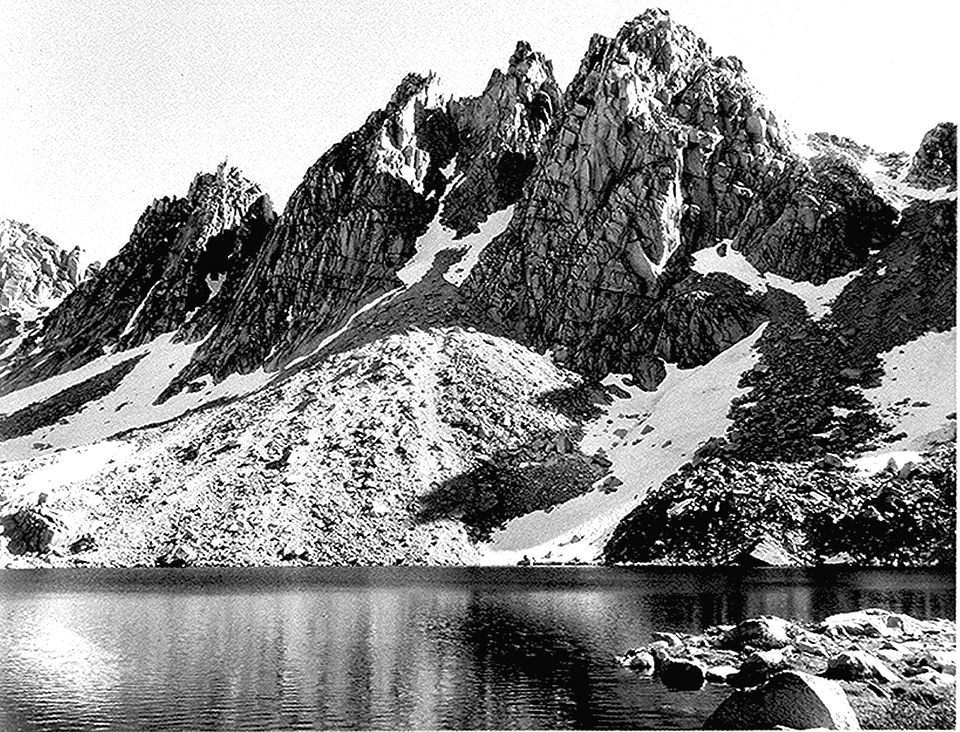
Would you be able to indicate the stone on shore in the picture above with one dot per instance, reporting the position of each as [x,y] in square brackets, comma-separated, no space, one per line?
[721,674]
[857,666]
[764,633]
[790,699]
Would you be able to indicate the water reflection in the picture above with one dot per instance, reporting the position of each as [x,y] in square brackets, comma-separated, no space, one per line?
[424,649]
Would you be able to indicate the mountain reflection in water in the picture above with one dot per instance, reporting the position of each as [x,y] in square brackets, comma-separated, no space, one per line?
[384,648]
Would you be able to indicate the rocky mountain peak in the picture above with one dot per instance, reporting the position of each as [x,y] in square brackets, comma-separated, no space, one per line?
[169,269]
[499,136]
[657,47]
[35,273]
[401,153]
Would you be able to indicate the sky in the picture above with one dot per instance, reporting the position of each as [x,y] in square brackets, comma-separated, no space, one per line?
[106,105]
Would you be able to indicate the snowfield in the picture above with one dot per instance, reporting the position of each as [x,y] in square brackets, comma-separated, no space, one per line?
[919,389]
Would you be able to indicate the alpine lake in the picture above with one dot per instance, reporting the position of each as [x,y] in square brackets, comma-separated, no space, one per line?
[389,648]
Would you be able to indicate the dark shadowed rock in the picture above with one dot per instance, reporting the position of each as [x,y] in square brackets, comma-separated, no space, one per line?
[681,673]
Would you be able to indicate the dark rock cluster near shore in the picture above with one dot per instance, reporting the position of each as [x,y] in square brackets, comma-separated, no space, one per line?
[871,669]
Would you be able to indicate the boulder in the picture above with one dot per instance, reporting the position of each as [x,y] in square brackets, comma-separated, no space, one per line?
[857,666]
[830,461]
[682,673]
[721,674]
[764,662]
[790,699]
[765,632]
[179,555]
[768,552]
[40,529]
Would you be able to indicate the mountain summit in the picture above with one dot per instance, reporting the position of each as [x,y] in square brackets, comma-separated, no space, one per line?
[528,323]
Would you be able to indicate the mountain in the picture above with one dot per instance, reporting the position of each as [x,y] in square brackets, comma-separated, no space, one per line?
[35,274]
[531,323]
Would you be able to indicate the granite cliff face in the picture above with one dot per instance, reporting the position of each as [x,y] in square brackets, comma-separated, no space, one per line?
[475,312]
[660,150]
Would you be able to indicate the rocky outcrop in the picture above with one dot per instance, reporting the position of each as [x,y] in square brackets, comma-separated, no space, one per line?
[355,219]
[660,149]
[908,289]
[696,320]
[819,220]
[347,229]
[35,274]
[715,512]
[499,135]
[935,164]
[38,529]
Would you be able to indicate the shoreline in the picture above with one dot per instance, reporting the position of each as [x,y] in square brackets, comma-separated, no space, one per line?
[869,669]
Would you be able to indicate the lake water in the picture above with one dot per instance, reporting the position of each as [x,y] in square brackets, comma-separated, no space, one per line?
[462,648]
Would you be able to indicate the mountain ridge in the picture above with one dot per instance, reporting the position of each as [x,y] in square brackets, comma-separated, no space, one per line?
[510,301]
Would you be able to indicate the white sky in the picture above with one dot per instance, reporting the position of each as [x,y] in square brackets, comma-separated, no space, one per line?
[106,105]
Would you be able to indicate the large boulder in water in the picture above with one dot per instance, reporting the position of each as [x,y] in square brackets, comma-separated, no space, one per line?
[791,699]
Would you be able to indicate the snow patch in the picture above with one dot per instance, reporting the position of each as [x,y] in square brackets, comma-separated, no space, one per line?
[872,464]
[12,345]
[896,191]
[439,238]
[731,263]
[214,283]
[647,437]
[346,326]
[919,389]
[450,168]
[136,313]
[474,244]
[816,298]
